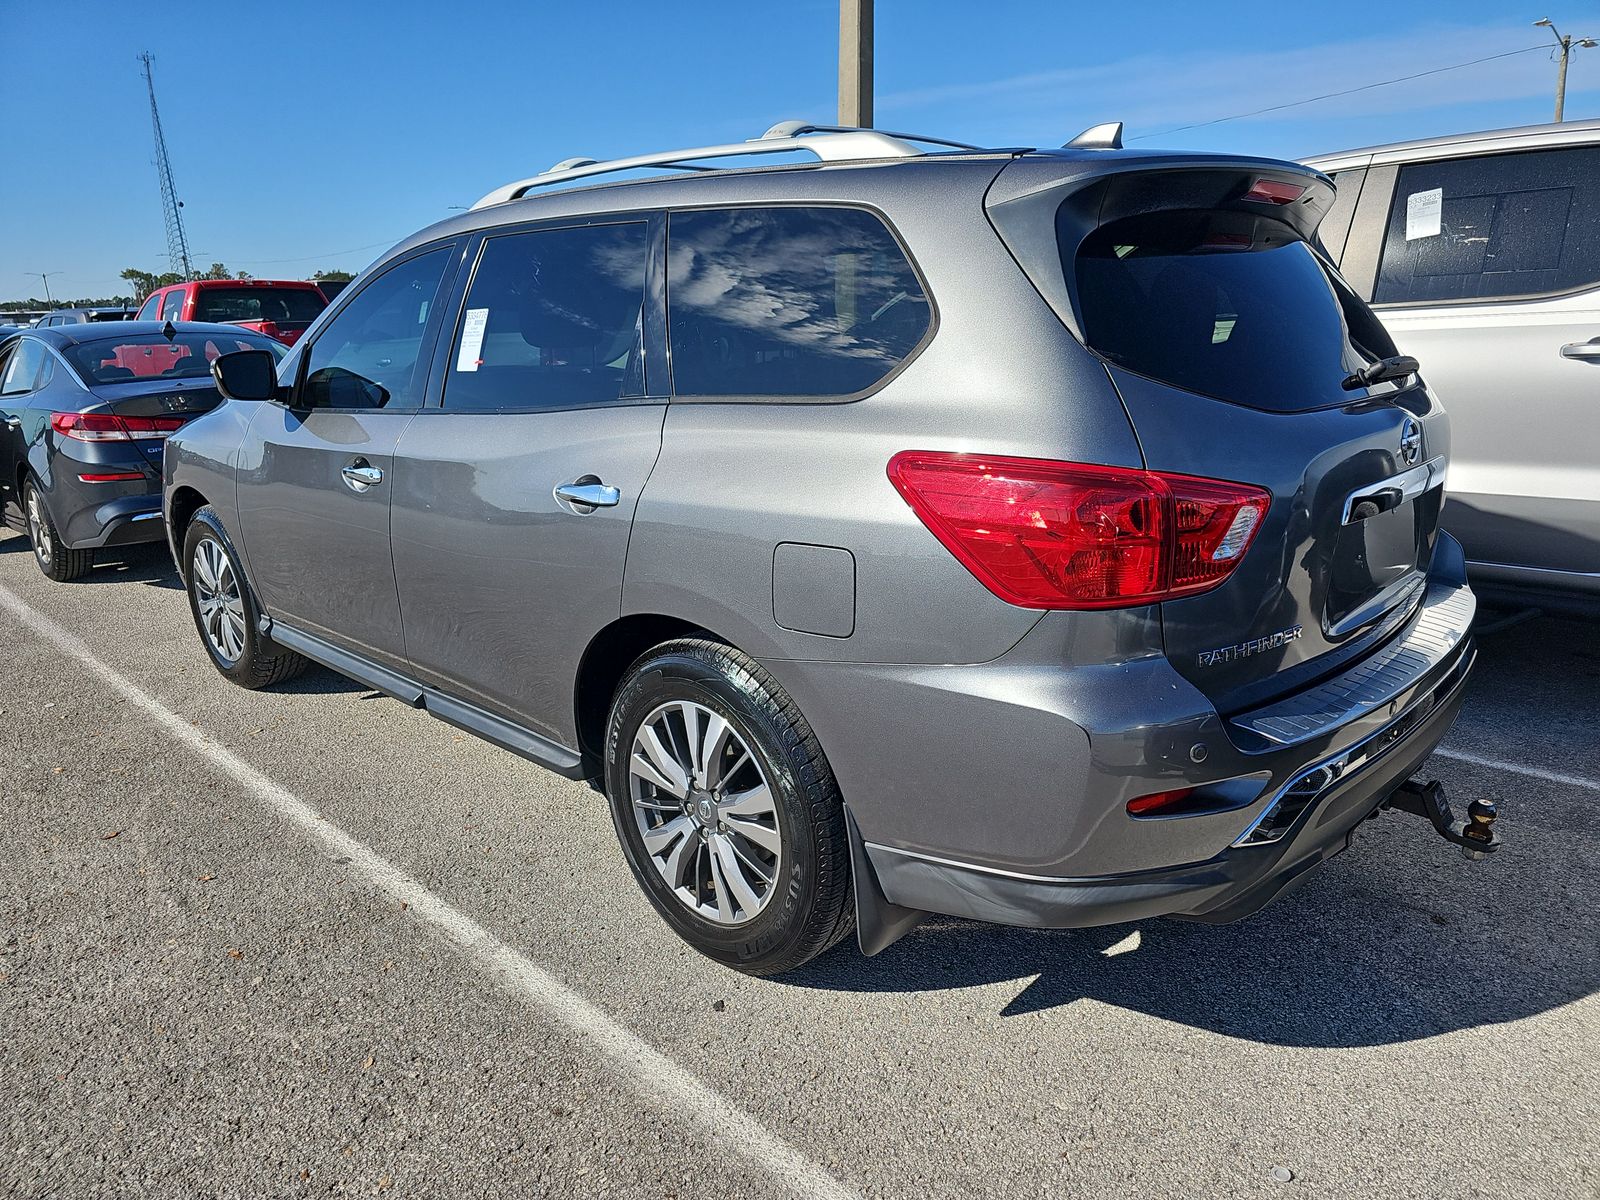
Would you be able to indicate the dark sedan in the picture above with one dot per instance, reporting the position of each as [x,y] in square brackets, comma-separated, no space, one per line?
[85,410]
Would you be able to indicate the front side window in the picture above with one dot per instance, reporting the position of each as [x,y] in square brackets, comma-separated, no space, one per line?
[788,301]
[22,369]
[366,357]
[1494,227]
[554,319]
[148,311]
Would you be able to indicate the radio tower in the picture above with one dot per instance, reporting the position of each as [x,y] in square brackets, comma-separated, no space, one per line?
[177,240]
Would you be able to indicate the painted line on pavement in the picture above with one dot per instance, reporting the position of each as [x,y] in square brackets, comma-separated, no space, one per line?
[1479,760]
[657,1078]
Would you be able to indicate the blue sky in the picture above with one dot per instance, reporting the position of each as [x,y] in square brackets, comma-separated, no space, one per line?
[311,135]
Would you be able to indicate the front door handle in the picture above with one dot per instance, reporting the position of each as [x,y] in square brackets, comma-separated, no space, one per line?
[13,423]
[1582,351]
[361,475]
[589,494]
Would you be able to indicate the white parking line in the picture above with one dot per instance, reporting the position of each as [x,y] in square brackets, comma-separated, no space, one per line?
[653,1075]
[1479,760]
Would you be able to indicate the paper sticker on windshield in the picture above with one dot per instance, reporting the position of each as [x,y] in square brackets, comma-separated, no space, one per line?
[1422,214]
[469,359]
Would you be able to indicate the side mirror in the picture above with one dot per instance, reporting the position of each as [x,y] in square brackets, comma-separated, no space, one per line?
[246,375]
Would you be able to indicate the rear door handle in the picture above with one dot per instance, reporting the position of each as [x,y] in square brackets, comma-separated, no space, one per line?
[1582,351]
[360,476]
[589,496]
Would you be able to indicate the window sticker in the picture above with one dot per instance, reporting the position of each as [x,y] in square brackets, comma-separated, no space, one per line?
[470,356]
[1422,214]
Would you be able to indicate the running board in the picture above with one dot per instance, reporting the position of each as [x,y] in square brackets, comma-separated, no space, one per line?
[497,730]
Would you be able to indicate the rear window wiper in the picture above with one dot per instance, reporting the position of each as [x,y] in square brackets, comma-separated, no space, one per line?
[1398,367]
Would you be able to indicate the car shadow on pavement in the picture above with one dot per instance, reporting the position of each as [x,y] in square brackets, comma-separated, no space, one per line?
[149,563]
[1353,958]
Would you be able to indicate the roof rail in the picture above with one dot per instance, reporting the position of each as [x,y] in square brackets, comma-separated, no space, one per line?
[830,143]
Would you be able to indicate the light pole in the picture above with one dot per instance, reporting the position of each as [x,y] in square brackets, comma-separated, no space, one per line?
[855,63]
[1565,43]
[44,275]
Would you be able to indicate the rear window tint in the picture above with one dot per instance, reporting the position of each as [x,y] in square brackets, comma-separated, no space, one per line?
[1226,304]
[285,306]
[791,301]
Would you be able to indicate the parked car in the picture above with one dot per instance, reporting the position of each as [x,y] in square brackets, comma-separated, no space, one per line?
[330,288]
[82,316]
[84,418]
[1481,254]
[279,308]
[7,330]
[1040,537]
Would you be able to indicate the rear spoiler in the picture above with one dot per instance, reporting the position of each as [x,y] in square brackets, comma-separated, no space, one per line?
[1033,191]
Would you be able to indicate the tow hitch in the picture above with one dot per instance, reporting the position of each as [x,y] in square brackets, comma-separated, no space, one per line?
[1476,835]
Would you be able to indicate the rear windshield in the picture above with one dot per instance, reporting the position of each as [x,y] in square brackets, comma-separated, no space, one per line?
[1226,304]
[282,305]
[186,356]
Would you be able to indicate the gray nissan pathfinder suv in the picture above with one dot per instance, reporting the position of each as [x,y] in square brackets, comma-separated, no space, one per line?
[1047,537]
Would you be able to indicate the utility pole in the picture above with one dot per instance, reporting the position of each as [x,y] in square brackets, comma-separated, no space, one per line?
[44,275]
[855,63]
[172,207]
[1564,44]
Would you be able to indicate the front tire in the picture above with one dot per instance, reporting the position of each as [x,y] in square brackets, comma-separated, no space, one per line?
[54,559]
[225,611]
[727,811]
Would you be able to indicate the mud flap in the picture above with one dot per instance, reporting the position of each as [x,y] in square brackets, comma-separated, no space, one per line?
[879,923]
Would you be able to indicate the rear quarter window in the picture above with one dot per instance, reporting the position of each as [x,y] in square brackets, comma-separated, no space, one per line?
[789,301]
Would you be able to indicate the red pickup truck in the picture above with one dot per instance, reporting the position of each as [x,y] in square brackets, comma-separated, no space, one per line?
[279,308]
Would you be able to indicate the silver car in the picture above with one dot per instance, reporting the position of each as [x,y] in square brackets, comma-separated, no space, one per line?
[1481,254]
[1044,537]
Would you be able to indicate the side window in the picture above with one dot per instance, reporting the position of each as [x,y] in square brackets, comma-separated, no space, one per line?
[148,310]
[23,369]
[172,305]
[553,320]
[788,302]
[366,357]
[1493,227]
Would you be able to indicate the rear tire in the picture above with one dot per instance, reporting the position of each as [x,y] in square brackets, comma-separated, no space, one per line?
[225,611]
[54,559]
[738,838]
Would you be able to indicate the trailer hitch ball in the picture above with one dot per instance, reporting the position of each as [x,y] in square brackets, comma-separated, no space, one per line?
[1479,828]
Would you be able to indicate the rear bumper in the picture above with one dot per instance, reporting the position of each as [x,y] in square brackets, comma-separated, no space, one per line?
[999,791]
[1228,887]
[123,521]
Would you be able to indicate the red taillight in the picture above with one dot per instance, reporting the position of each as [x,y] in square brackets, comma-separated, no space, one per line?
[113,477]
[1271,191]
[1158,802]
[109,427]
[1045,534]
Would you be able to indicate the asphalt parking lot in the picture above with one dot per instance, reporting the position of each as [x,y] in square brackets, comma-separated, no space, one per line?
[312,942]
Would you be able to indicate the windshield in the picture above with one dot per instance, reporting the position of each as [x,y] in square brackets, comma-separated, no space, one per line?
[1226,304]
[283,305]
[186,356]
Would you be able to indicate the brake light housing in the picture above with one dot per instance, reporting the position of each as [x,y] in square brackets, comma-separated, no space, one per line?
[1274,191]
[110,427]
[1062,535]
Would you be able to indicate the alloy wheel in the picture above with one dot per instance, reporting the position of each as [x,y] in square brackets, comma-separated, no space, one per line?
[217,599]
[39,528]
[705,812]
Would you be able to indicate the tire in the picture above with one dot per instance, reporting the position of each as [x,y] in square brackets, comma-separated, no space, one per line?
[225,611]
[54,559]
[799,847]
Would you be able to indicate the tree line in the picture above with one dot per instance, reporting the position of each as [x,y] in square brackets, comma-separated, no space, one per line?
[145,282]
